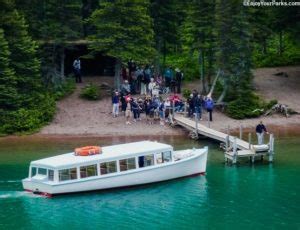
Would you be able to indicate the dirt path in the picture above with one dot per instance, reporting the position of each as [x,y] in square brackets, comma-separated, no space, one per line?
[76,116]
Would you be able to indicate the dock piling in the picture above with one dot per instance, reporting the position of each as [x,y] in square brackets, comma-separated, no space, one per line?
[234,160]
[271,147]
[196,131]
[249,140]
[227,143]
[241,131]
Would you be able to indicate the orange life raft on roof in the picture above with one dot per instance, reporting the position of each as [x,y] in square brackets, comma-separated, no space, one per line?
[87,151]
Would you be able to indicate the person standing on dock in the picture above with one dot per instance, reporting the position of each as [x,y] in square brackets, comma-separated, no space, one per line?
[260,130]
[115,102]
[209,105]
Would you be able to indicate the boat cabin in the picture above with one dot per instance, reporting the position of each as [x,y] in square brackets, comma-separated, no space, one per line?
[116,159]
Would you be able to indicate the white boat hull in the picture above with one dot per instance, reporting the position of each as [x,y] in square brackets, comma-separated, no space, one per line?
[193,165]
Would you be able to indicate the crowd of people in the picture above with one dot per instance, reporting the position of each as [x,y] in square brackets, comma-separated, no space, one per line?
[156,108]
[197,103]
[151,102]
[143,79]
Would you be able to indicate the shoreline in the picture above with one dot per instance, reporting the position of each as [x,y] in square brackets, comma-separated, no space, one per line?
[76,117]
[277,129]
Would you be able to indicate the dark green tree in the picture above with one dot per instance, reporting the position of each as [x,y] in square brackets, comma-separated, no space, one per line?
[123,31]
[88,6]
[285,20]
[8,92]
[167,16]
[23,57]
[33,106]
[199,37]
[55,24]
[234,51]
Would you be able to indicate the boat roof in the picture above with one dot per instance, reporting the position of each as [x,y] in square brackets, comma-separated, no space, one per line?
[108,153]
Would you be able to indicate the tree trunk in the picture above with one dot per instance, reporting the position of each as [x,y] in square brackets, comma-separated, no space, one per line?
[280,43]
[223,94]
[62,64]
[164,54]
[117,82]
[214,83]
[201,62]
[265,46]
[210,68]
[157,65]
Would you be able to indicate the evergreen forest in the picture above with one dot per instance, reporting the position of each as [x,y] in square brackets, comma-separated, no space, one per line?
[219,42]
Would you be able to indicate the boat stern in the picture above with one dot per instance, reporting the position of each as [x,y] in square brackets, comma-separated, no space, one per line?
[35,187]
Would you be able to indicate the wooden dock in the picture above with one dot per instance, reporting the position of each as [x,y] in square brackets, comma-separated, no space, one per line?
[234,147]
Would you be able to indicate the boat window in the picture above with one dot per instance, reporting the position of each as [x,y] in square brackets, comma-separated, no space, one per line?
[87,171]
[33,171]
[108,167]
[159,158]
[163,157]
[50,175]
[67,174]
[167,157]
[42,171]
[145,161]
[127,164]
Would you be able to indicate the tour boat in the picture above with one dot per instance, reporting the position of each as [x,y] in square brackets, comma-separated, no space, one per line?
[122,165]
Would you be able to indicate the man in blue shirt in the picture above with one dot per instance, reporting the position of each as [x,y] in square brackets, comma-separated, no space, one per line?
[115,102]
[260,130]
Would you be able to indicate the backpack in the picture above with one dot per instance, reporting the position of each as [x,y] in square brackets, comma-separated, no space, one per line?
[209,104]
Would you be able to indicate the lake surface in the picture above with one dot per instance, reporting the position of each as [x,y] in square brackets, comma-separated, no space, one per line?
[259,196]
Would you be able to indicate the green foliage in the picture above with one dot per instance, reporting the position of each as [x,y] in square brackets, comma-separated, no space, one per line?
[64,89]
[123,30]
[199,37]
[246,106]
[290,56]
[189,66]
[28,120]
[186,93]
[53,20]
[270,104]
[90,92]
[168,16]
[8,93]
[26,104]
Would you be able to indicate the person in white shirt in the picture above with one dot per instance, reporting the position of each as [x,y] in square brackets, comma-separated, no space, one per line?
[77,70]
[151,86]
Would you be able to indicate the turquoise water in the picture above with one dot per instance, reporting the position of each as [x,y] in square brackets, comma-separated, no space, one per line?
[262,196]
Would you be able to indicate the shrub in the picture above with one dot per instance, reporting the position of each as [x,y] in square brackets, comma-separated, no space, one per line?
[28,119]
[66,88]
[90,92]
[246,106]
[270,104]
